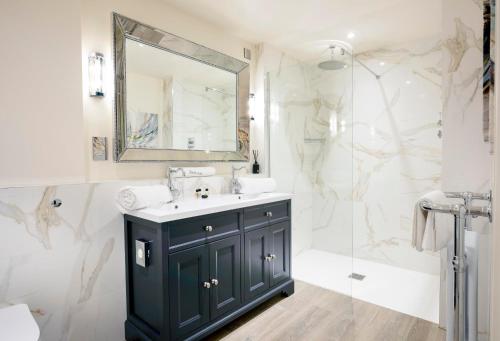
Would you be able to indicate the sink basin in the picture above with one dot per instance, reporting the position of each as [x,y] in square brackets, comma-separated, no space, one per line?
[216,203]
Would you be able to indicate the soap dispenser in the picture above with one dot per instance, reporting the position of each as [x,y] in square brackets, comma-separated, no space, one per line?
[198,193]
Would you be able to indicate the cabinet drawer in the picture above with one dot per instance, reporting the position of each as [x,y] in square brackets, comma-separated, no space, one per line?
[259,216]
[223,225]
[194,231]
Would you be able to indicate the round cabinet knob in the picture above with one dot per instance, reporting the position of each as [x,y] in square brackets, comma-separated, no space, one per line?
[208,228]
[206,285]
[269,214]
[215,282]
[268,258]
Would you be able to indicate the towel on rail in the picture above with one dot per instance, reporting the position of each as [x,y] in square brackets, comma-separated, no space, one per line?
[133,198]
[431,231]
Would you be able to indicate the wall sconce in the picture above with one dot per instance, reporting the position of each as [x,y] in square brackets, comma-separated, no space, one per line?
[96,70]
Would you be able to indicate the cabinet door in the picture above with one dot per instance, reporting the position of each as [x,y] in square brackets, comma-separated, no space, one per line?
[279,244]
[256,265]
[225,275]
[189,298]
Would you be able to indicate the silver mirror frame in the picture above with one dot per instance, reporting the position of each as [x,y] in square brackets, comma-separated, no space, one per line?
[126,28]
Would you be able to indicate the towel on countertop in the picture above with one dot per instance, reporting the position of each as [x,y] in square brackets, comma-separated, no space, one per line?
[256,185]
[195,171]
[133,198]
[431,231]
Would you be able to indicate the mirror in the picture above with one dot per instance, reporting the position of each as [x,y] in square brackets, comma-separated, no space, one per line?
[177,100]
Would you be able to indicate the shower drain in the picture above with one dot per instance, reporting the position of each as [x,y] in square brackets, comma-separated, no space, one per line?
[358,277]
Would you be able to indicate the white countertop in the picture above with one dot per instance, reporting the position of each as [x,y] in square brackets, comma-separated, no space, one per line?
[197,207]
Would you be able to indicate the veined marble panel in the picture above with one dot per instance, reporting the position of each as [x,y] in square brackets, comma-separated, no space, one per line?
[66,263]
[290,157]
[360,152]
[466,157]
[396,149]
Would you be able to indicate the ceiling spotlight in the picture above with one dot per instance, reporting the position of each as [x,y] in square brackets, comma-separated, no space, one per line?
[351,35]
[381,63]
[408,82]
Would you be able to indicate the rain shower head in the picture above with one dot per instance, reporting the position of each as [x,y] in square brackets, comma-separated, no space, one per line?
[333,64]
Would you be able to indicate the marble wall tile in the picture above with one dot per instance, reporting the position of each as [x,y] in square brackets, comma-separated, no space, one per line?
[360,151]
[466,158]
[397,152]
[66,263]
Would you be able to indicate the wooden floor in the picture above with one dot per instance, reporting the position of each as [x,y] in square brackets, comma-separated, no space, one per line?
[316,314]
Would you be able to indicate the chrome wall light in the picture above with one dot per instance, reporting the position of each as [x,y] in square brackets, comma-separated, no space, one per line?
[96,70]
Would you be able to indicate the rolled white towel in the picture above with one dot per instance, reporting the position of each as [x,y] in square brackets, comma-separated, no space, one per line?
[133,198]
[251,185]
[431,231]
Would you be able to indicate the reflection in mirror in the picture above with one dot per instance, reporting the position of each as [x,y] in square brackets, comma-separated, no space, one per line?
[175,102]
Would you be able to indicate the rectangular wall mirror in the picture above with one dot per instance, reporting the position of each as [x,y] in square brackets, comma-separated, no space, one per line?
[177,100]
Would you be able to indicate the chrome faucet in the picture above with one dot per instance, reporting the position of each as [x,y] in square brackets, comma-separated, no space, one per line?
[171,185]
[235,184]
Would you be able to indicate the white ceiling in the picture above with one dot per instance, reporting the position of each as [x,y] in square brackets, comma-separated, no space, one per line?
[306,25]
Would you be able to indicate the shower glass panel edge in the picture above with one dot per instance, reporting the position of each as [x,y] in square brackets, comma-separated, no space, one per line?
[309,142]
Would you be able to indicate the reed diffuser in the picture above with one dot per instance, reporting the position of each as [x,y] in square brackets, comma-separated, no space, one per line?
[255,166]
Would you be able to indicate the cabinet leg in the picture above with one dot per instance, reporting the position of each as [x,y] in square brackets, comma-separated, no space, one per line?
[288,290]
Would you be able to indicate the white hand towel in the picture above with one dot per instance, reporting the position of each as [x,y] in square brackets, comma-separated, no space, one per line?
[431,231]
[252,185]
[138,197]
[195,171]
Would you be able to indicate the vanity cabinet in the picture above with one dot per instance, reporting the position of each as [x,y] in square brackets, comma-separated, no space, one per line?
[205,271]
[205,284]
[189,299]
[267,258]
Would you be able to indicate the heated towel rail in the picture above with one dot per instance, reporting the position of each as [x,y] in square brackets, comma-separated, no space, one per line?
[463,214]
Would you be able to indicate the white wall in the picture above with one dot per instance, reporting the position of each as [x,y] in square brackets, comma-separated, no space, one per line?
[46,130]
[41,123]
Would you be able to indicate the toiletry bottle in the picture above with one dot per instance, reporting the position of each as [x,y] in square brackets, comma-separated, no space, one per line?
[255,168]
[205,195]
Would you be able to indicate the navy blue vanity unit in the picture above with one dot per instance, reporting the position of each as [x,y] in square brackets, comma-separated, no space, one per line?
[188,277]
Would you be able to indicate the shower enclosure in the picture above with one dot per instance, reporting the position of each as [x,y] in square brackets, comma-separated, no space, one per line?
[310,120]
[358,140]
